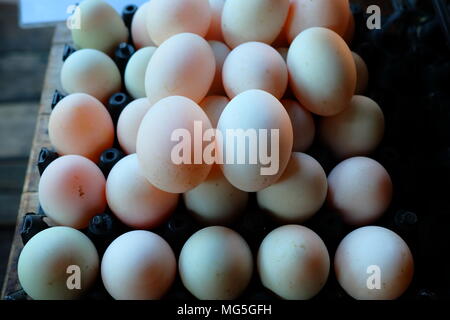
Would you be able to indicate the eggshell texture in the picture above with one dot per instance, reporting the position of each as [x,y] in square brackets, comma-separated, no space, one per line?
[360,190]
[304,14]
[299,193]
[134,76]
[216,264]
[293,262]
[302,124]
[80,124]
[220,51]
[91,71]
[254,110]
[170,73]
[356,131]
[45,260]
[322,71]
[155,146]
[139,31]
[216,201]
[166,18]
[362,74]
[253,20]
[369,247]
[213,107]
[133,199]
[100,27]
[128,124]
[215,27]
[138,265]
[254,65]
[72,191]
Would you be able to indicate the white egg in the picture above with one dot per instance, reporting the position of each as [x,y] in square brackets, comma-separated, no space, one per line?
[216,264]
[293,262]
[216,201]
[374,263]
[91,71]
[53,259]
[356,131]
[134,76]
[362,74]
[299,193]
[259,117]
[360,190]
[138,265]
[129,122]
[133,199]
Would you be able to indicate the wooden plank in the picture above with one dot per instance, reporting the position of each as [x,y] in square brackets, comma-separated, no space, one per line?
[29,202]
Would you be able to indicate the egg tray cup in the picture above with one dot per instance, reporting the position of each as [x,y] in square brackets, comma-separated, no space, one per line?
[408,62]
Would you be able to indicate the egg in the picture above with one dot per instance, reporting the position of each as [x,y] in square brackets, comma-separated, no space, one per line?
[215,201]
[213,107]
[362,74]
[302,124]
[299,193]
[166,18]
[254,65]
[100,27]
[138,265]
[257,114]
[220,51]
[91,71]
[374,263]
[215,27]
[360,190]
[80,124]
[356,131]
[72,191]
[128,124]
[58,263]
[322,71]
[304,14]
[134,76]
[253,20]
[216,264]
[293,262]
[133,199]
[190,74]
[139,32]
[158,145]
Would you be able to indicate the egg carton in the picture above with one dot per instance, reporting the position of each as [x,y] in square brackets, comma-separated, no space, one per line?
[409,65]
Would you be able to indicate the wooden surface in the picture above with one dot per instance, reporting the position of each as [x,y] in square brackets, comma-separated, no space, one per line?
[29,200]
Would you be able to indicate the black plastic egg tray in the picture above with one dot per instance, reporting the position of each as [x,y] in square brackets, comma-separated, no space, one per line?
[409,66]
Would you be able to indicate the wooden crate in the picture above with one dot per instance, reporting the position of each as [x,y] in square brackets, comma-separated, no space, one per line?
[29,200]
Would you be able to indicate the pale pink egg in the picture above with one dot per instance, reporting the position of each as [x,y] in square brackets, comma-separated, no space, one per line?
[166,18]
[254,65]
[215,28]
[302,124]
[138,265]
[129,122]
[360,190]
[72,191]
[169,147]
[80,124]
[214,106]
[139,31]
[133,199]
[221,52]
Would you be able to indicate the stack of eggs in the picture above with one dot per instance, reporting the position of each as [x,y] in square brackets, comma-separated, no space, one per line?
[281,66]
